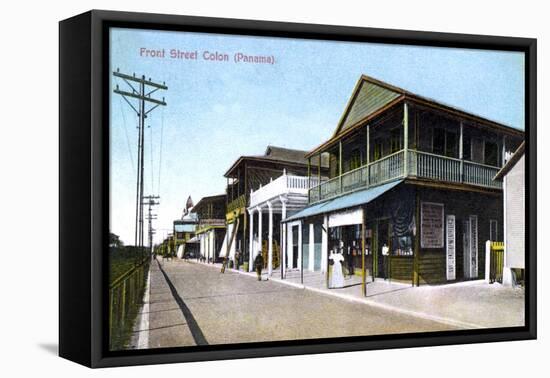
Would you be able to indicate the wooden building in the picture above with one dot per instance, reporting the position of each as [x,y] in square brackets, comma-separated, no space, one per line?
[513,176]
[247,174]
[184,230]
[211,227]
[410,195]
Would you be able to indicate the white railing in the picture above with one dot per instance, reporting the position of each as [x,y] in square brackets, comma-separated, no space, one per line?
[419,164]
[283,185]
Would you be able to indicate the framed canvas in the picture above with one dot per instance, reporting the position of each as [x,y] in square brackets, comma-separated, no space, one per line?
[236,189]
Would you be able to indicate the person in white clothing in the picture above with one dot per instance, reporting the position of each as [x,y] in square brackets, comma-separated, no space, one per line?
[337,280]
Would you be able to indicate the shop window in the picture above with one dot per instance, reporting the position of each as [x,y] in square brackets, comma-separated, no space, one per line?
[491,154]
[402,245]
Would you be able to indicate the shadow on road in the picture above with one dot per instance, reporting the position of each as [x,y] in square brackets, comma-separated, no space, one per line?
[196,332]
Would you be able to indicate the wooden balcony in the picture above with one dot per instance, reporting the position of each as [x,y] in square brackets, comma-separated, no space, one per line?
[237,203]
[407,163]
[283,185]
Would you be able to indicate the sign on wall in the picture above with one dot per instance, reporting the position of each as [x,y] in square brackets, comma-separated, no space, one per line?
[451,248]
[431,225]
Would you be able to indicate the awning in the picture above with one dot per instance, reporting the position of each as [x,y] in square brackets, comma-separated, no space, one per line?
[344,202]
[194,239]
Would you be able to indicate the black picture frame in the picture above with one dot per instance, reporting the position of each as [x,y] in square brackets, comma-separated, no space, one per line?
[83,181]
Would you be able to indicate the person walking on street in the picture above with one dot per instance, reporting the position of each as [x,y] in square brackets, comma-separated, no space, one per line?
[258,265]
[237,258]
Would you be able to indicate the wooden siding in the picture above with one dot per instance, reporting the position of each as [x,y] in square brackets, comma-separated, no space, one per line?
[401,268]
[432,267]
[369,99]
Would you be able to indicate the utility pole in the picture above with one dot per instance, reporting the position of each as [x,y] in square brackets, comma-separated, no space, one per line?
[141,89]
[151,201]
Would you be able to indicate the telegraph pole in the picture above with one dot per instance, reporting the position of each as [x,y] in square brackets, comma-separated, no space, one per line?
[140,89]
[151,201]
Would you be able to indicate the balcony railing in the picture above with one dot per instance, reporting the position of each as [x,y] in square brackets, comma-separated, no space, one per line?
[282,185]
[419,164]
[237,203]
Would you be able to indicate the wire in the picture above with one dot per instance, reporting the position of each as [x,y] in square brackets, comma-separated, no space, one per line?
[127,138]
[160,148]
[151,154]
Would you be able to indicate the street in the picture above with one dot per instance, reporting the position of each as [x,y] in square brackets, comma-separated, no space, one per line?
[193,304]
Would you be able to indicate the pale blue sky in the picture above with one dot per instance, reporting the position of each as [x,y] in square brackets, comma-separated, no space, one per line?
[218,111]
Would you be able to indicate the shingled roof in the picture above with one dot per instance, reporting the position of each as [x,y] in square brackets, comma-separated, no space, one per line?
[277,154]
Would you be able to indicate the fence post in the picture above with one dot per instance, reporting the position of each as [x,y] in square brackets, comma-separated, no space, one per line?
[488,261]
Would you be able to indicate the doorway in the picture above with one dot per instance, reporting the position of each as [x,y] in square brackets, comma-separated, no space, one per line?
[383,250]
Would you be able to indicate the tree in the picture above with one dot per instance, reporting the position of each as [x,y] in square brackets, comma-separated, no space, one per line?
[114,241]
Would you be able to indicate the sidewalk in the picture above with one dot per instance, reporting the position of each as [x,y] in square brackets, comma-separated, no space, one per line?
[471,304]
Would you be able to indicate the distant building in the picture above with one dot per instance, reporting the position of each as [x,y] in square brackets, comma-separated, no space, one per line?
[211,227]
[513,176]
[184,229]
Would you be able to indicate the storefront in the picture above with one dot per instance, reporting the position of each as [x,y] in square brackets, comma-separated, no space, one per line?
[412,233]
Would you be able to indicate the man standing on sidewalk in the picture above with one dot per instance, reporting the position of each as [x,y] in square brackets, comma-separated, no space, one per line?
[258,265]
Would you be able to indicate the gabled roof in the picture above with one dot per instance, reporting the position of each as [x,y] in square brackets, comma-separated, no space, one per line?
[276,154]
[511,162]
[371,97]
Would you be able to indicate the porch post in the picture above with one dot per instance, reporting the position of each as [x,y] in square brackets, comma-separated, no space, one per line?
[308,177]
[270,240]
[461,151]
[251,241]
[284,239]
[324,248]
[368,155]
[406,139]
[319,176]
[416,279]
[363,267]
[340,164]
[311,265]
[300,251]
[259,230]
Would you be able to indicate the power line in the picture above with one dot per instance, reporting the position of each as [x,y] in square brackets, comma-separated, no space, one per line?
[145,88]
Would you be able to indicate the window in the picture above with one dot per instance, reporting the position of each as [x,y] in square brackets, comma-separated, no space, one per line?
[451,144]
[491,154]
[467,148]
[355,159]
[438,143]
[445,143]
[395,139]
[493,230]
[378,151]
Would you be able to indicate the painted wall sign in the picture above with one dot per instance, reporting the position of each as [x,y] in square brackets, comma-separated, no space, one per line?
[345,218]
[473,247]
[431,225]
[451,247]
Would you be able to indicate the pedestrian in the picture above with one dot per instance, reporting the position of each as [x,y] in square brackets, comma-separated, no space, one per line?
[259,264]
[351,256]
[237,258]
[337,280]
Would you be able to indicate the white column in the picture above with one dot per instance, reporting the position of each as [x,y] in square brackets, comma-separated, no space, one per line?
[284,243]
[324,245]
[212,253]
[259,247]
[290,245]
[270,240]
[300,252]
[311,248]
[251,241]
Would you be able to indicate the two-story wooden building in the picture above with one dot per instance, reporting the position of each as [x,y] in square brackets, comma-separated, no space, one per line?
[410,195]
[211,226]
[247,174]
